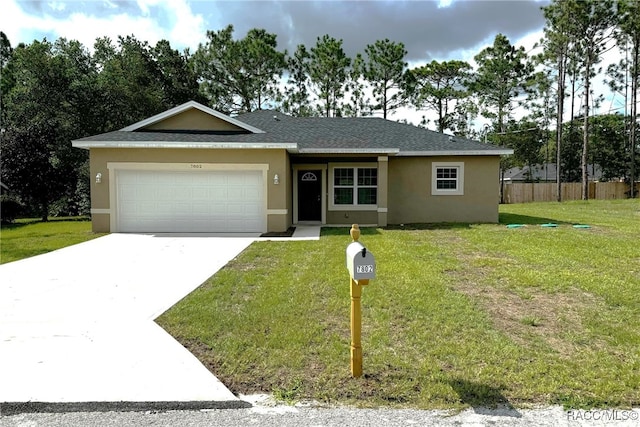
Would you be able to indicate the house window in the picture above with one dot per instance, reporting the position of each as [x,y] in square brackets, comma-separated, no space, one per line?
[447,178]
[354,186]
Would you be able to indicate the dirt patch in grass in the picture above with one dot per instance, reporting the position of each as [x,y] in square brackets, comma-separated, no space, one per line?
[206,355]
[555,319]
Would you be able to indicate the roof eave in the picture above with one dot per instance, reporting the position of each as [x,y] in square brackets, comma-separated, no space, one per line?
[349,151]
[504,152]
[182,144]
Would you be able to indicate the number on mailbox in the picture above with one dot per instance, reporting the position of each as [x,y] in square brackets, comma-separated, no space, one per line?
[360,262]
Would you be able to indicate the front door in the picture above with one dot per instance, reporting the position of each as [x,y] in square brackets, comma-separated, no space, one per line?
[310,195]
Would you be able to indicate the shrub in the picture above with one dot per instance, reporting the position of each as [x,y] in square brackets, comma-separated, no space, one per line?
[10,208]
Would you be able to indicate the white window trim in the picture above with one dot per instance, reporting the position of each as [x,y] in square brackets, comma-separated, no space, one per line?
[459,191]
[355,206]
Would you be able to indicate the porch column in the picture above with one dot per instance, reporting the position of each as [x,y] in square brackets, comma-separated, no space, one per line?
[383,189]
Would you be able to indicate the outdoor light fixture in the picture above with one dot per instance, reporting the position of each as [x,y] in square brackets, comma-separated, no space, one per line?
[276,179]
[98,178]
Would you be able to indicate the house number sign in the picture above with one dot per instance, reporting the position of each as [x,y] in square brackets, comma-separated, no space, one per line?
[196,166]
[364,269]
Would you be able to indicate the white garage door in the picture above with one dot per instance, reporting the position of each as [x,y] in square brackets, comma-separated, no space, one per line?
[190,201]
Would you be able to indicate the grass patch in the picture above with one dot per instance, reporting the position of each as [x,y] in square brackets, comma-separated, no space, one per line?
[29,237]
[459,315]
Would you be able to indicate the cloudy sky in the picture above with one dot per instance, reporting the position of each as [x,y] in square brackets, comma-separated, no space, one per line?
[438,29]
[445,29]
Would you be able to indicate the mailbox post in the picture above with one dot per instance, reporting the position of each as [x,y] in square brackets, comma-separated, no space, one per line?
[362,267]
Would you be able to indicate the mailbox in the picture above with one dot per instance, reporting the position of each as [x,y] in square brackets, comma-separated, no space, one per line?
[360,262]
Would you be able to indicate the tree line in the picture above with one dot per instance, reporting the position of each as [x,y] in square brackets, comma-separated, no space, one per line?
[53,92]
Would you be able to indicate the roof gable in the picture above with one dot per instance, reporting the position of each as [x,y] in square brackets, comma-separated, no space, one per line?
[191,116]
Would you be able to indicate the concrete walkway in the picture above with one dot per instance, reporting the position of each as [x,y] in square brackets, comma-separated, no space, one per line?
[76,324]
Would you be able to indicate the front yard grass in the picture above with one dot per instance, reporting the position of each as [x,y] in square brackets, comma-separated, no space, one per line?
[459,315]
[29,237]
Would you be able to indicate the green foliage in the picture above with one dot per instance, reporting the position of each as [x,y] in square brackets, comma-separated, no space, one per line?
[527,139]
[570,151]
[239,75]
[384,69]
[629,34]
[439,86]
[557,42]
[38,162]
[465,112]
[594,23]
[7,79]
[541,98]
[129,82]
[296,95]
[360,104]
[328,73]
[500,78]
[10,208]
[608,145]
[177,77]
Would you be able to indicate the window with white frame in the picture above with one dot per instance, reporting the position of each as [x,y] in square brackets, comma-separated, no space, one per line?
[354,186]
[447,178]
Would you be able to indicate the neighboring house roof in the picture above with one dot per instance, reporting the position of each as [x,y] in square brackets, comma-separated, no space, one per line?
[313,135]
[545,172]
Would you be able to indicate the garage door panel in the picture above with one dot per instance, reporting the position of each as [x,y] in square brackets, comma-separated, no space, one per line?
[200,201]
[199,193]
[251,193]
[235,179]
[218,193]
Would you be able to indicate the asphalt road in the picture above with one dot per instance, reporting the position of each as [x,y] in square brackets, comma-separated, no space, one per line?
[265,413]
[299,417]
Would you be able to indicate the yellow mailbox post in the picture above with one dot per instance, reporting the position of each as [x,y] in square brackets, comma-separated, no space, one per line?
[362,267]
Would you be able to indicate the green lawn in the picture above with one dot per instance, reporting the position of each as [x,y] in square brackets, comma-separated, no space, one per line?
[30,237]
[458,314]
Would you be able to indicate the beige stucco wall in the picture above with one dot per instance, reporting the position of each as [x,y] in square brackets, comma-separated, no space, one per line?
[288,188]
[410,199]
[383,190]
[278,196]
[352,217]
[100,223]
[193,119]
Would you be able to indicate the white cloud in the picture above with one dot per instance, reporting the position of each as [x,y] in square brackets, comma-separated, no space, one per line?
[186,29]
[57,6]
[87,28]
[13,22]
[189,28]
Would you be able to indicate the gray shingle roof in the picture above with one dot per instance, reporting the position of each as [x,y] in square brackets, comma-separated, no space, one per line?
[314,135]
[360,132]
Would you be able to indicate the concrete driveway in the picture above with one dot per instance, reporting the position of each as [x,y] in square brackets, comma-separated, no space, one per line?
[76,324]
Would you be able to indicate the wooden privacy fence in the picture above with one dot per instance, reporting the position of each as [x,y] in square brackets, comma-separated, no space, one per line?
[548,191]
